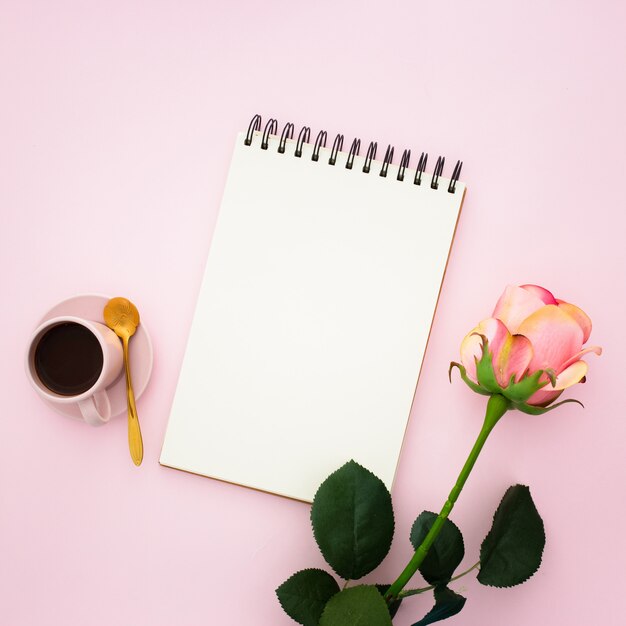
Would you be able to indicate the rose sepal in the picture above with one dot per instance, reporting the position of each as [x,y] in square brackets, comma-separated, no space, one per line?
[484,368]
[540,410]
[520,391]
[466,379]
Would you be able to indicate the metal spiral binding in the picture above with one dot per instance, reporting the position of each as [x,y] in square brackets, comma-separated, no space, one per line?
[354,151]
[319,143]
[286,134]
[337,145]
[421,166]
[271,128]
[404,163]
[386,161]
[255,124]
[303,137]
[370,156]
[455,177]
[434,183]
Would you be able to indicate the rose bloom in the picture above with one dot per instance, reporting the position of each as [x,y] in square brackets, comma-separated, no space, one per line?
[532,330]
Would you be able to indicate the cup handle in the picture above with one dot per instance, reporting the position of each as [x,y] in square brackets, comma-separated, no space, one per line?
[96,409]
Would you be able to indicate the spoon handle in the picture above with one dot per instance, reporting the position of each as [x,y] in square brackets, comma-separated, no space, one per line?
[135,442]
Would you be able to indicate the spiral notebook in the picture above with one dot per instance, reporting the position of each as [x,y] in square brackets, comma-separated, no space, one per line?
[314,312]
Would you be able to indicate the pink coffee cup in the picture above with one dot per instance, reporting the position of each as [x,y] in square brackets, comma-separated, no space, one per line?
[71,360]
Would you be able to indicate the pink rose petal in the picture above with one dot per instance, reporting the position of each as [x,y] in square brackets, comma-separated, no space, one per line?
[543,294]
[595,349]
[471,350]
[574,374]
[579,315]
[496,332]
[471,346]
[513,358]
[543,398]
[555,337]
[515,305]
[570,376]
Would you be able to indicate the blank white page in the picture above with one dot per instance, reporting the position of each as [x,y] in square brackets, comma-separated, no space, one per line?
[312,320]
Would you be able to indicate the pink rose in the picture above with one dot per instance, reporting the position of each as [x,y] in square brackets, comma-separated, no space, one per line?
[531,336]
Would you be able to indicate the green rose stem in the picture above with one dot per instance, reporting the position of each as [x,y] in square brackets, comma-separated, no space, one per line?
[497,406]
[414,592]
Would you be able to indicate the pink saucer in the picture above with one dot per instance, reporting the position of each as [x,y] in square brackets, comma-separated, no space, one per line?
[90,306]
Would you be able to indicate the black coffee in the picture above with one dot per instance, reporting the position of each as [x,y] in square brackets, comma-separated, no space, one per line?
[68,359]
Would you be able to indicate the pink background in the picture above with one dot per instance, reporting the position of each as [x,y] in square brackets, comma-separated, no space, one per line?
[117,122]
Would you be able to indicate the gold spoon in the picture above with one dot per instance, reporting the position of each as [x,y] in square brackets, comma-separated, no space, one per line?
[122,317]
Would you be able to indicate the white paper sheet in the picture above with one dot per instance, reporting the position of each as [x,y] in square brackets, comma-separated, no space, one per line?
[312,320]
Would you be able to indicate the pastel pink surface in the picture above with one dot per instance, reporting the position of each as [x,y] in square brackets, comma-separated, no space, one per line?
[117,122]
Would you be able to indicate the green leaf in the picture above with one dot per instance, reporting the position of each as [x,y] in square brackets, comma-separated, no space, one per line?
[304,595]
[511,552]
[356,606]
[447,604]
[394,605]
[352,520]
[446,552]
